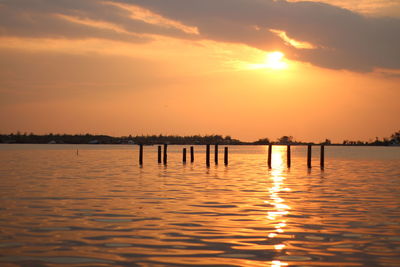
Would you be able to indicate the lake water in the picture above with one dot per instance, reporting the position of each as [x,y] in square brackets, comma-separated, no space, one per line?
[99,208]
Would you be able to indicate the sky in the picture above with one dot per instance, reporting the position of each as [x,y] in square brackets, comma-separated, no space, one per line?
[245,68]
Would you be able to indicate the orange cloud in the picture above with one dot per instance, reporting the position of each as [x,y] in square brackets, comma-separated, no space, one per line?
[293,42]
[94,23]
[145,15]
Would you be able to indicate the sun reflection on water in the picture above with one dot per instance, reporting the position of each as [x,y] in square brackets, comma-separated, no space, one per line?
[278,264]
[280,209]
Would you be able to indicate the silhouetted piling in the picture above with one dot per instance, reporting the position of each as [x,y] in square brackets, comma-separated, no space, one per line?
[191,154]
[184,155]
[322,158]
[141,154]
[270,156]
[216,154]
[159,154]
[165,153]
[226,156]
[208,155]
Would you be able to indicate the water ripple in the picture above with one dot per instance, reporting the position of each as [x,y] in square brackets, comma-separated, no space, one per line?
[101,209]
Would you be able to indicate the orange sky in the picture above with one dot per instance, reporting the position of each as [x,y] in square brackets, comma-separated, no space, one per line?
[144,67]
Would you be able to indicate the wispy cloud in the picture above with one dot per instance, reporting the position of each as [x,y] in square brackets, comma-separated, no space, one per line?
[292,42]
[138,13]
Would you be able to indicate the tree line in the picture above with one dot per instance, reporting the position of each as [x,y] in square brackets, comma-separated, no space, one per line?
[31,138]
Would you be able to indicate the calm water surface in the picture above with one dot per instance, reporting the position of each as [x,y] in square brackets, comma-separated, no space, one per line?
[99,208]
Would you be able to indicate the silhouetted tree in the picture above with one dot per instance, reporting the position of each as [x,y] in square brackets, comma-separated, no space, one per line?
[326,142]
[285,139]
[262,141]
[395,138]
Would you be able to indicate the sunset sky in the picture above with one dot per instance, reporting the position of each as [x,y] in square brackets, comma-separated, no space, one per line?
[245,68]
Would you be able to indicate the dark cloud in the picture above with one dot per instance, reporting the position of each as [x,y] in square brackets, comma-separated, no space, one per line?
[342,39]
[40,19]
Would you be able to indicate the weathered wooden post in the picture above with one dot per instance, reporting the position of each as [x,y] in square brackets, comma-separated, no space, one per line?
[191,154]
[165,153]
[226,156]
[141,154]
[216,154]
[184,156]
[309,156]
[288,160]
[270,156]
[322,158]
[208,155]
[159,154]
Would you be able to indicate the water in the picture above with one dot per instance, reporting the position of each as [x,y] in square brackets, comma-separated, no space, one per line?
[99,208]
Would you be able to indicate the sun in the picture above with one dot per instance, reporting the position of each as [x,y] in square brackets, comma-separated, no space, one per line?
[275,60]
[272,60]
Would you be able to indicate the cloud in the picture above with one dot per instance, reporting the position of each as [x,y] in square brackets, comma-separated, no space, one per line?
[338,38]
[343,39]
[368,7]
[74,19]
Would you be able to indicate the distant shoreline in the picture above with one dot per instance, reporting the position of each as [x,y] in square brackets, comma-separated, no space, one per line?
[244,144]
[77,139]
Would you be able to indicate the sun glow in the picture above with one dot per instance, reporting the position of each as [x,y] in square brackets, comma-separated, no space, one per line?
[273,61]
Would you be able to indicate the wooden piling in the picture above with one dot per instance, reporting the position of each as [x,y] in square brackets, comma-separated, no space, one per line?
[216,154]
[288,159]
[270,156]
[191,154]
[141,154]
[208,155]
[165,154]
[309,156]
[322,158]
[226,156]
[184,155]
[159,154]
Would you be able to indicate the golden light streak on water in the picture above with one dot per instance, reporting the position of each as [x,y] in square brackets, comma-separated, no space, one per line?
[276,216]
[278,264]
